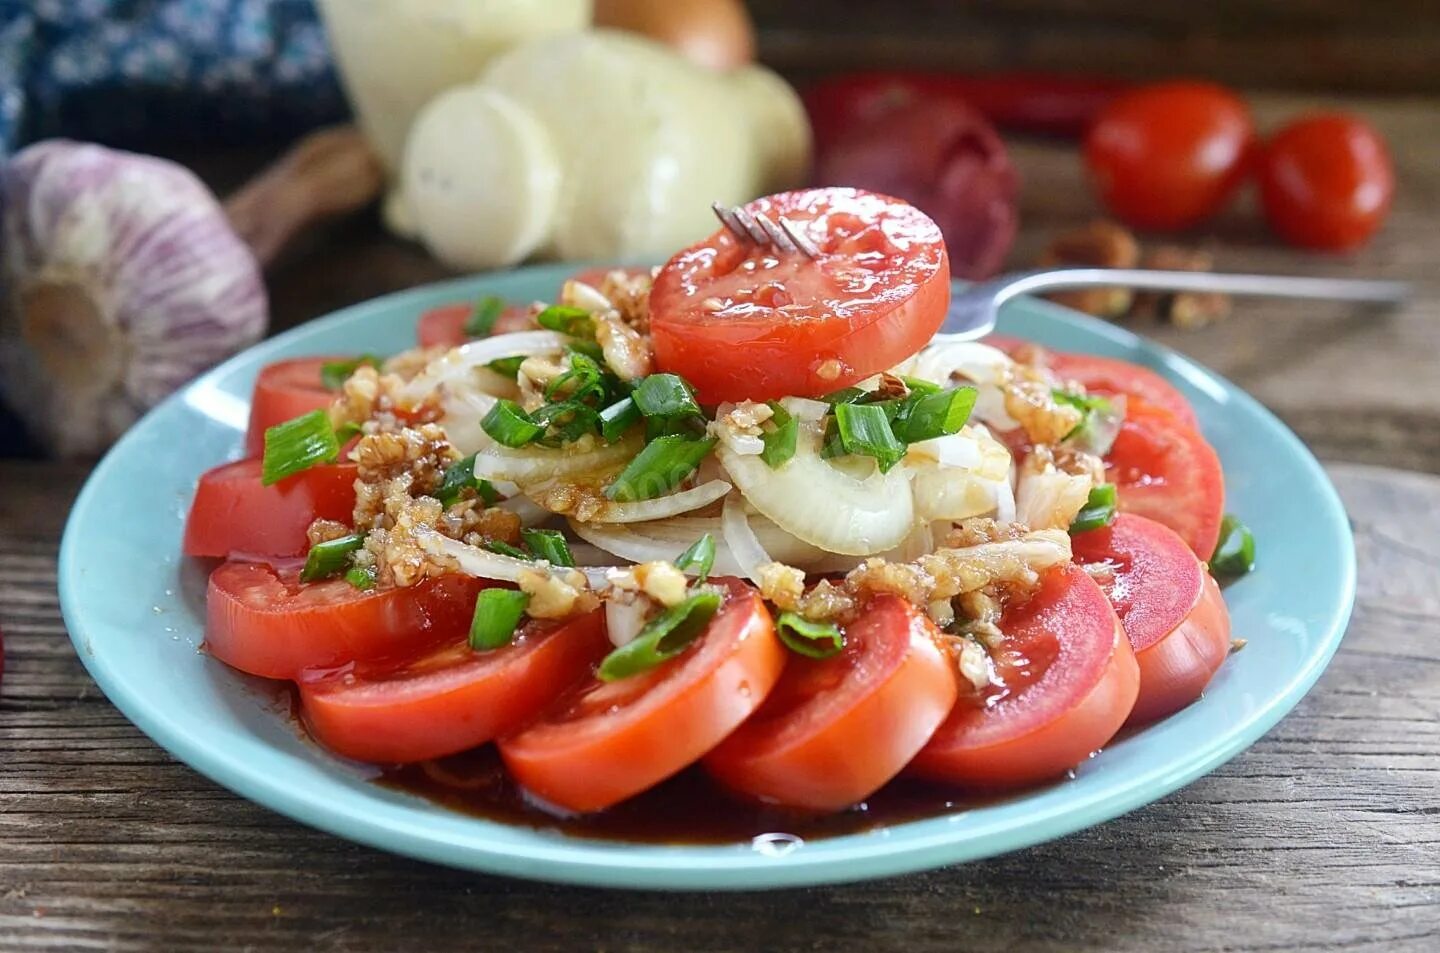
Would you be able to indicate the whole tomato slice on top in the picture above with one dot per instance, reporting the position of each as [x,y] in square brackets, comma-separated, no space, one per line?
[745,321]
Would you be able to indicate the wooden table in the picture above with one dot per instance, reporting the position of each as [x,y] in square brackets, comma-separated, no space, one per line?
[1325,835]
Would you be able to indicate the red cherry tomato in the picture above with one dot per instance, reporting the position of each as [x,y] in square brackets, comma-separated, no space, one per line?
[739,322]
[235,514]
[613,740]
[264,621]
[1169,156]
[1326,182]
[451,699]
[285,390]
[1068,681]
[1169,606]
[835,730]
[445,326]
[1165,470]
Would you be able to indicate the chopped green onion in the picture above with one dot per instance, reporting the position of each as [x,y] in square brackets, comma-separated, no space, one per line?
[656,427]
[460,477]
[831,445]
[811,639]
[1235,553]
[334,374]
[575,322]
[298,444]
[1099,509]
[666,396]
[482,320]
[505,549]
[780,441]
[497,616]
[663,637]
[589,348]
[699,557]
[565,422]
[508,423]
[1096,431]
[585,378]
[360,578]
[846,395]
[918,385]
[549,545]
[658,468]
[864,429]
[926,416]
[618,418]
[507,366]
[330,558]
[347,431]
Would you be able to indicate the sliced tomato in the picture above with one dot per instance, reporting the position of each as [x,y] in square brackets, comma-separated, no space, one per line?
[284,390]
[613,740]
[742,321]
[233,513]
[835,730]
[451,699]
[1169,605]
[1067,680]
[264,621]
[1165,470]
[445,326]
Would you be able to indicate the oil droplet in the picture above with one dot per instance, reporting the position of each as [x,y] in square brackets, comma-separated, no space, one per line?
[776,844]
[744,689]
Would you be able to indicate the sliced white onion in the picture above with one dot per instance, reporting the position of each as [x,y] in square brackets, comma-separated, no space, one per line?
[578,294]
[483,564]
[530,512]
[803,408]
[740,539]
[454,366]
[665,540]
[952,450]
[1050,499]
[955,493]
[624,618]
[1004,501]
[979,364]
[531,465]
[920,541]
[660,508]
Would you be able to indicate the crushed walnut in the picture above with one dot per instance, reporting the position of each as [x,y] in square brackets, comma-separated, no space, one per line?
[1184,309]
[1100,244]
[1033,405]
[626,350]
[556,595]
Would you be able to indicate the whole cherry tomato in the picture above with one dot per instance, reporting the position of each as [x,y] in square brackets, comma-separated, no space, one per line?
[1169,156]
[1326,182]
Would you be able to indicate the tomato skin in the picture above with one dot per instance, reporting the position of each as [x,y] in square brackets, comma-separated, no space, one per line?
[452,699]
[1169,156]
[876,295]
[835,730]
[1326,182]
[1109,376]
[615,740]
[1170,607]
[233,513]
[445,326]
[265,622]
[1073,708]
[285,390]
[1167,471]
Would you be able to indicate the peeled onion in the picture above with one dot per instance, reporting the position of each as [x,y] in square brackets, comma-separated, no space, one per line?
[981,365]
[662,507]
[740,539]
[665,540]
[528,466]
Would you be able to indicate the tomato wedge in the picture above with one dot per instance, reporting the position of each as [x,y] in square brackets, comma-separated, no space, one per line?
[835,730]
[1170,608]
[452,699]
[612,740]
[284,390]
[741,321]
[235,514]
[445,326]
[1165,470]
[264,621]
[1068,680]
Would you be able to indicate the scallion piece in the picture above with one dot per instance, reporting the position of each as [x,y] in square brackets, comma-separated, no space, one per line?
[334,374]
[926,416]
[779,441]
[460,477]
[663,637]
[845,395]
[360,578]
[658,468]
[482,320]
[565,422]
[918,385]
[549,545]
[583,380]
[298,444]
[1235,553]
[699,557]
[505,549]
[507,366]
[1099,509]
[575,322]
[348,431]
[618,418]
[666,396]
[330,558]
[811,639]
[508,423]
[497,616]
[865,430]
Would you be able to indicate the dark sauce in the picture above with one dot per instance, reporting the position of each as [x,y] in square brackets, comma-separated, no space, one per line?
[687,809]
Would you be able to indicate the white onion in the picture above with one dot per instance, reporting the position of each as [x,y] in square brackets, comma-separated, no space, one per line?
[956,493]
[454,367]
[660,508]
[530,465]
[624,618]
[665,540]
[528,510]
[483,564]
[578,294]
[951,450]
[1004,501]
[1050,499]
[980,364]
[740,539]
[803,408]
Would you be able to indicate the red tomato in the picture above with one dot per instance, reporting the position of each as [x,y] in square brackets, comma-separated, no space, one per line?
[452,699]
[445,326]
[1165,470]
[1169,156]
[740,322]
[1326,182]
[266,622]
[285,390]
[613,740]
[835,730]
[1068,682]
[1169,606]
[235,514]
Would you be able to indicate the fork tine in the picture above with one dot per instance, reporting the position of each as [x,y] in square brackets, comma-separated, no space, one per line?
[727,219]
[801,241]
[757,234]
[781,240]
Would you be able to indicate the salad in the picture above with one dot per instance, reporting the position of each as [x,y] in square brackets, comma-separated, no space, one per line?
[744,511]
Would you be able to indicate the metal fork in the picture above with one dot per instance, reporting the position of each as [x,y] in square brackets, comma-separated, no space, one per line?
[974,308]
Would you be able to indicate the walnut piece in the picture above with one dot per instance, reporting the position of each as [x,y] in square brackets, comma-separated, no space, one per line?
[1101,244]
[1184,309]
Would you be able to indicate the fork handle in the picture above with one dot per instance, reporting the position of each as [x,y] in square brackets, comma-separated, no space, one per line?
[1274,286]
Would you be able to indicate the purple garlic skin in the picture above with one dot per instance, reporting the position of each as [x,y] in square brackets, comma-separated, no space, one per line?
[120,280]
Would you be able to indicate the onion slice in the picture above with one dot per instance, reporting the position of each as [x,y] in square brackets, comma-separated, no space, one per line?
[665,540]
[454,366]
[740,539]
[530,465]
[483,564]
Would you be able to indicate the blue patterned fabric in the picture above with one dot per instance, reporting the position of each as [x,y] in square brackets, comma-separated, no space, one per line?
[137,72]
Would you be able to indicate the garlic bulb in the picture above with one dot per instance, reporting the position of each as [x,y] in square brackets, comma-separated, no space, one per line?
[122,280]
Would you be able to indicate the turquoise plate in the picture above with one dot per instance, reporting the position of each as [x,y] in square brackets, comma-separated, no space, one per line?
[134,608]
